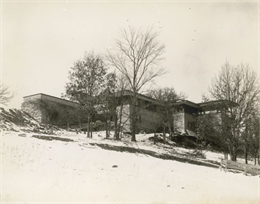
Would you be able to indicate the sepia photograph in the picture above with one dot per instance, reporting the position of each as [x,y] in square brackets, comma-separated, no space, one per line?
[129,101]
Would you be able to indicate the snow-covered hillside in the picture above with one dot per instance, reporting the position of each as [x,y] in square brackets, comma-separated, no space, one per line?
[72,168]
[18,120]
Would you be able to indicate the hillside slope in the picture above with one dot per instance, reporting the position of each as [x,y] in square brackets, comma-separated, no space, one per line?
[67,167]
[18,120]
[38,170]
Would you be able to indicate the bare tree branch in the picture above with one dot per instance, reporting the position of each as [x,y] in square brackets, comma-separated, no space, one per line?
[5,94]
[240,85]
[137,56]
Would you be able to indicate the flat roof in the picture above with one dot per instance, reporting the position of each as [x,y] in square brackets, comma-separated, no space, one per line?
[140,96]
[210,105]
[186,102]
[50,96]
[216,102]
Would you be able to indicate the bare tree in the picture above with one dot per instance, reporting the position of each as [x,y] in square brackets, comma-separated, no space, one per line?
[209,129]
[240,85]
[5,94]
[121,85]
[137,55]
[254,137]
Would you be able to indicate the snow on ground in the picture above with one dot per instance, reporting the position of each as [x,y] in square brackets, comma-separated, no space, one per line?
[35,170]
[143,143]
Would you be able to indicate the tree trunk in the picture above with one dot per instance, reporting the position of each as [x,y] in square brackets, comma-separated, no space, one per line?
[51,128]
[133,118]
[91,129]
[120,128]
[246,143]
[68,125]
[106,126]
[133,127]
[80,125]
[120,120]
[246,154]
[88,134]
[173,127]
[116,129]
[164,134]
[170,129]
[109,128]
[233,155]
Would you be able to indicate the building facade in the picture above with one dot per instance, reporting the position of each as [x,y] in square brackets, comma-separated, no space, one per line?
[184,113]
[148,118]
[50,109]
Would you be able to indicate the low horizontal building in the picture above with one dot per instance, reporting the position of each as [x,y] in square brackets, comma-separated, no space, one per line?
[47,109]
[148,118]
[185,113]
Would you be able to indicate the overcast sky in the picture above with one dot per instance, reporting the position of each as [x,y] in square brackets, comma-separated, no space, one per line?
[41,40]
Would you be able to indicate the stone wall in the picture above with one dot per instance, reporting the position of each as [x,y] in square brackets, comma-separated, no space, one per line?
[47,109]
[179,122]
[34,112]
[190,123]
